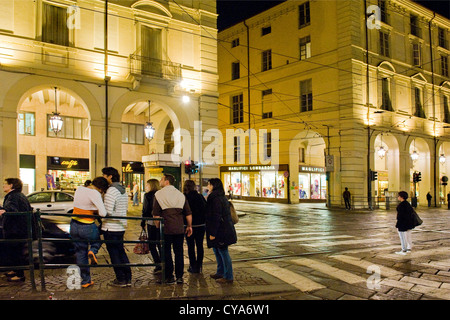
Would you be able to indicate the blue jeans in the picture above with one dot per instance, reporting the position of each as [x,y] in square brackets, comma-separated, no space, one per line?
[84,231]
[135,199]
[118,255]
[224,265]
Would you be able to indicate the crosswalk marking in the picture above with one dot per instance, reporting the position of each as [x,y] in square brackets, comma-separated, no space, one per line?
[385,271]
[417,254]
[329,270]
[343,242]
[300,282]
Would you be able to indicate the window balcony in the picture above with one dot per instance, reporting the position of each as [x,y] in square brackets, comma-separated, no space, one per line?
[154,68]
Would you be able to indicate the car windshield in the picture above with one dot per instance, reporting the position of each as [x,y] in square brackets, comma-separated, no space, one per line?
[40,197]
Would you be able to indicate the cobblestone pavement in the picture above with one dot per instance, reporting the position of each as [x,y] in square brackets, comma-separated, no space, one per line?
[287,252]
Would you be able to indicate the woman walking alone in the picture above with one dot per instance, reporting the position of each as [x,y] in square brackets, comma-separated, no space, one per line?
[220,232]
[405,222]
[197,203]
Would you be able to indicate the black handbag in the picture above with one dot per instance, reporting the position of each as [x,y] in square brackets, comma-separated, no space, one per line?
[416,219]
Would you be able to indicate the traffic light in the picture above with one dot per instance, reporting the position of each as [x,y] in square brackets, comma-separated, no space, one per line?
[187,167]
[419,176]
[194,167]
[373,175]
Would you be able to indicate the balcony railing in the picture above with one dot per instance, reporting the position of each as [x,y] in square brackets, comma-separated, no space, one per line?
[155,68]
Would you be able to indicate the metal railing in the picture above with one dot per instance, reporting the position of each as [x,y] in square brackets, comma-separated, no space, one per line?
[157,68]
[37,221]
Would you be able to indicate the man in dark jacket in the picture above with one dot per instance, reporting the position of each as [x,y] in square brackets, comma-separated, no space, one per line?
[405,222]
[15,225]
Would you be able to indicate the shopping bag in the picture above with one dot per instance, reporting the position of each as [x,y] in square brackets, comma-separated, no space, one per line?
[142,247]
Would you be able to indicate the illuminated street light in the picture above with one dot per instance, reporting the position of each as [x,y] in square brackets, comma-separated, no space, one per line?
[148,129]
[442,158]
[56,121]
[414,155]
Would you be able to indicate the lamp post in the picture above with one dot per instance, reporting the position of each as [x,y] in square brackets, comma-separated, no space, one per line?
[56,121]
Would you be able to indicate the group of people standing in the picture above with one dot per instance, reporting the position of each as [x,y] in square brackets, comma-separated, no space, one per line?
[189,215]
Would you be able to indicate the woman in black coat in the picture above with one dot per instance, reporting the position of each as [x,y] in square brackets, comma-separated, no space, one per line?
[153,232]
[405,222]
[15,225]
[220,232]
[197,204]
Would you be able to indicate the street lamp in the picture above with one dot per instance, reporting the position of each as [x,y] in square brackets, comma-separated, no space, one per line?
[381,151]
[442,158]
[414,155]
[56,121]
[148,129]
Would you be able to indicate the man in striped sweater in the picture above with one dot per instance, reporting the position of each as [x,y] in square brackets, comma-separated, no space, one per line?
[116,204]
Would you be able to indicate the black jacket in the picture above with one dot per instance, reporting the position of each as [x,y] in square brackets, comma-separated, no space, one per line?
[197,203]
[15,225]
[405,218]
[147,207]
[218,221]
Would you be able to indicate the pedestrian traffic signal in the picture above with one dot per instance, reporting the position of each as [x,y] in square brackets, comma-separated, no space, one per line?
[194,167]
[419,176]
[187,167]
[373,175]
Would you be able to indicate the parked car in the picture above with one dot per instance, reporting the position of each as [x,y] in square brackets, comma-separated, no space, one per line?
[52,201]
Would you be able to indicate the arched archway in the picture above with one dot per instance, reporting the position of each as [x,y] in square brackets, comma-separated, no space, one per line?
[32,99]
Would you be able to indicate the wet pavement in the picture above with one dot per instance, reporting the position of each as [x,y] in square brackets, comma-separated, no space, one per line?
[286,252]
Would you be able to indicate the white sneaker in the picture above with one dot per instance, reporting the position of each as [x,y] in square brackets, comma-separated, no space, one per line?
[403,253]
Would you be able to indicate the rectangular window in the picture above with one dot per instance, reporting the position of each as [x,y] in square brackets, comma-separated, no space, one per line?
[266,30]
[416,51]
[237,149]
[133,133]
[305,48]
[306,97]
[446,110]
[235,43]
[385,95]
[54,25]
[304,18]
[442,38]
[27,123]
[235,70]
[266,60]
[268,144]
[384,44]
[414,24]
[418,112]
[383,11]
[238,109]
[444,66]
[72,128]
[267,103]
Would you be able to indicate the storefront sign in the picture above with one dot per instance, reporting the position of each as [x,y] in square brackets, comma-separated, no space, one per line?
[254,168]
[133,167]
[311,169]
[73,164]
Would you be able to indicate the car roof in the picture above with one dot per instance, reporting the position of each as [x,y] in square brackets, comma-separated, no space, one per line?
[52,191]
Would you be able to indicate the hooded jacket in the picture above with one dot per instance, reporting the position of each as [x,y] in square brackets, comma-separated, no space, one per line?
[405,218]
[116,204]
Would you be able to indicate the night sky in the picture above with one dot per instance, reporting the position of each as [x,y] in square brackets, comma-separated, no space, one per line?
[231,11]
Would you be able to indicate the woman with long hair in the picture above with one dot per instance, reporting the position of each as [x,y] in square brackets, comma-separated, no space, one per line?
[151,187]
[220,232]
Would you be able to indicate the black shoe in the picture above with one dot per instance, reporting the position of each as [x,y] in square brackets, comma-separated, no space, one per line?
[117,283]
[216,276]
[179,280]
[170,280]
[157,270]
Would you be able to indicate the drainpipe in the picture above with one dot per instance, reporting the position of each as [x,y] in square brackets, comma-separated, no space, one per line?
[369,182]
[248,94]
[434,110]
